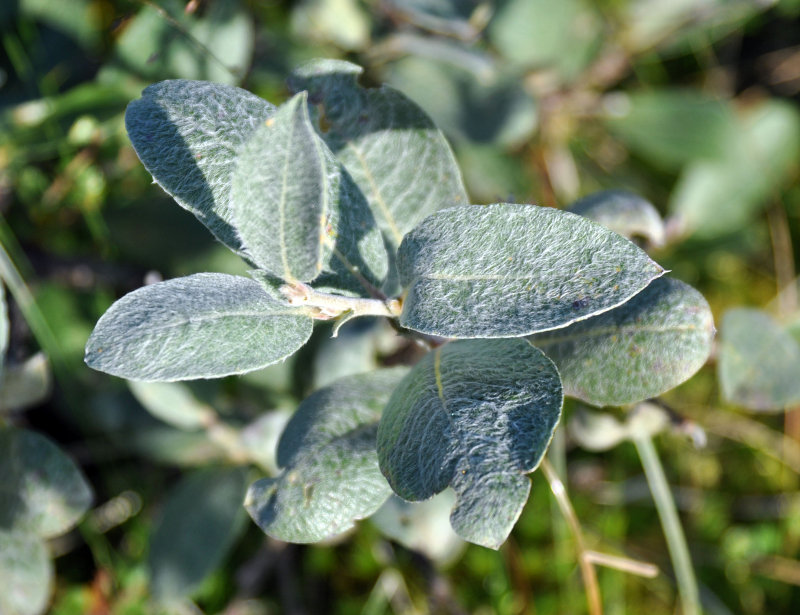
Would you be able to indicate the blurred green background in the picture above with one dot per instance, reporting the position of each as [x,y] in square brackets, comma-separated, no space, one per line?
[693,104]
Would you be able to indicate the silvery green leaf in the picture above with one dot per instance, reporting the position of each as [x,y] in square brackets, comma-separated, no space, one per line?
[26,573]
[641,349]
[474,415]
[422,526]
[206,325]
[200,521]
[759,363]
[393,151]
[26,384]
[188,135]
[43,491]
[510,270]
[623,212]
[331,476]
[297,211]
[173,403]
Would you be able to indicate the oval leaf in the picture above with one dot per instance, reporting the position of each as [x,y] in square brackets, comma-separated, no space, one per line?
[759,362]
[643,348]
[205,325]
[623,212]
[475,416]
[395,153]
[173,403]
[200,522]
[510,270]
[43,491]
[187,135]
[331,476]
[26,574]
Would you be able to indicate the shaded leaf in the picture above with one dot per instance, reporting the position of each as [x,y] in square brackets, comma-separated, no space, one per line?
[643,348]
[173,403]
[43,491]
[188,135]
[759,363]
[421,526]
[623,212]
[26,384]
[509,270]
[200,522]
[398,158]
[476,416]
[331,477]
[296,209]
[26,574]
[205,325]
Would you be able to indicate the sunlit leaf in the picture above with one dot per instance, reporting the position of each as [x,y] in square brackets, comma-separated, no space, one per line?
[188,134]
[474,415]
[393,151]
[342,22]
[509,270]
[43,491]
[330,473]
[25,384]
[207,325]
[643,348]
[173,403]
[201,519]
[759,363]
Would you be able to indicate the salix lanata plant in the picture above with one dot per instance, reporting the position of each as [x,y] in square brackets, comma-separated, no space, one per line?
[520,304]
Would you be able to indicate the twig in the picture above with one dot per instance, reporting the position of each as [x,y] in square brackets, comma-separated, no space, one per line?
[624,564]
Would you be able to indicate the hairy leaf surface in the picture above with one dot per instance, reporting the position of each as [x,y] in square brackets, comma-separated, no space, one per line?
[475,415]
[188,134]
[510,270]
[759,362]
[394,152]
[331,476]
[26,573]
[206,325]
[200,521]
[641,349]
[42,491]
[623,212]
[297,209]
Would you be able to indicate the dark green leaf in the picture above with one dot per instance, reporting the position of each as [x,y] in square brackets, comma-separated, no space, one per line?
[199,524]
[641,349]
[331,477]
[759,362]
[43,491]
[476,416]
[206,325]
[393,151]
[188,135]
[509,270]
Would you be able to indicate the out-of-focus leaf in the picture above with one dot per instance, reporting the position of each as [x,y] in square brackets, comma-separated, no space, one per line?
[79,19]
[260,438]
[296,209]
[477,416]
[623,212]
[393,151]
[173,403]
[422,526]
[188,135]
[3,331]
[331,477]
[641,349]
[496,109]
[759,363]
[508,270]
[43,491]
[493,175]
[201,519]
[601,431]
[718,196]
[206,325]
[673,127]
[541,34]
[26,384]
[341,22]
[352,352]
[171,44]
[26,573]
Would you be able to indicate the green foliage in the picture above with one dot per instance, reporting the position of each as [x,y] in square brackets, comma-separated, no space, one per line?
[26,572]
